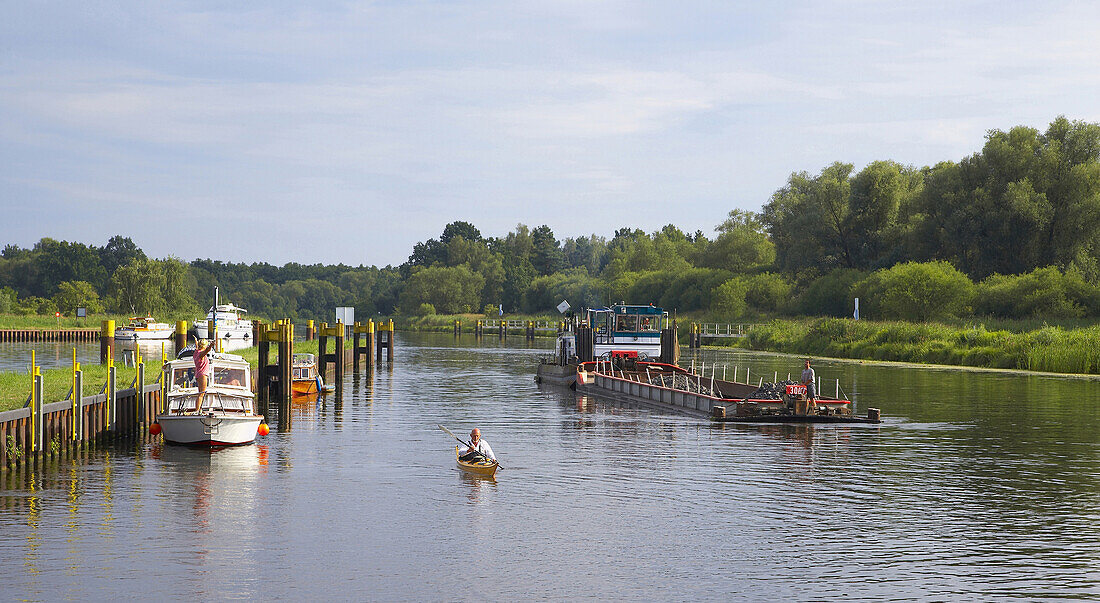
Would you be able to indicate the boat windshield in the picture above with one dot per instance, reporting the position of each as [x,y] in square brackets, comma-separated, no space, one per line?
[184,376]
[211,401]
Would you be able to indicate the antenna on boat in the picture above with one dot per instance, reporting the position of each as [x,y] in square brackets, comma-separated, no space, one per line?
[214,321]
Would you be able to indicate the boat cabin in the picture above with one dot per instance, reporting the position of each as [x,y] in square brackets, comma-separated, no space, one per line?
[624,327]
[230,390]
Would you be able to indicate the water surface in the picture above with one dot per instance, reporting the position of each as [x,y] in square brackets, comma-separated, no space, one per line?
[977,486]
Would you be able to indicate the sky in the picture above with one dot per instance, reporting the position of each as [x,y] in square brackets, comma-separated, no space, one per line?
[345,132]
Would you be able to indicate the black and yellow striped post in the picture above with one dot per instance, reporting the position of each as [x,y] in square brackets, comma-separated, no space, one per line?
[458,327]
[359,332]
[106,340]
[311,331]
[179,337]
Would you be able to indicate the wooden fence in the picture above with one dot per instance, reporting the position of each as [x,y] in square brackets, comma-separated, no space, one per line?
[40,431]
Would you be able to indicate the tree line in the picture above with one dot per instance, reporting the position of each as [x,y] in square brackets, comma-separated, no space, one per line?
[1011,231]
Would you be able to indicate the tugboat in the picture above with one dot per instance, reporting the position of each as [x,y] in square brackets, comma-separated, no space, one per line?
[641,331]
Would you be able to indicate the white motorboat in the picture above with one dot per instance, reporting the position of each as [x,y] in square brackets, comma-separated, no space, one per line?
[228,414]
[230,325]
[144,327]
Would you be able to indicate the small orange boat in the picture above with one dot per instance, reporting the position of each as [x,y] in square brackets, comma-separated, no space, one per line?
[305,380]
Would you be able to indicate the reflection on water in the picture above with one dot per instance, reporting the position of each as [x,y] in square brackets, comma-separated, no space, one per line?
[977,485]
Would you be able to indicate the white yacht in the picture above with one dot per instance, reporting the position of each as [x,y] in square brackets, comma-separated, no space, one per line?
[230,324]
[228,414]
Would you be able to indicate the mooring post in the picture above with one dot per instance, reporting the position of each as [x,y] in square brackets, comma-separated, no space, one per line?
[322,350]
[263,350]
[287,367]
[368,347]
[389,341]
[78,400]
[503,326]
[311,332]
[179,338]
[106,340]
[355,331]
[139,404]
[340,330]
[457,327]
[112,397]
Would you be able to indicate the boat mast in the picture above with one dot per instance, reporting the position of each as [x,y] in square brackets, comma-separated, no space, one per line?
[214,320]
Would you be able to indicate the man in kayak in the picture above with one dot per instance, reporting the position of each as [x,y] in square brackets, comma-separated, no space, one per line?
[478,449]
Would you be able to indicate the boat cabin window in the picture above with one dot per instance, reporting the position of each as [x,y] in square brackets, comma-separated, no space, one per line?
[183,377]
[649,323]
[626,322]
[230,376]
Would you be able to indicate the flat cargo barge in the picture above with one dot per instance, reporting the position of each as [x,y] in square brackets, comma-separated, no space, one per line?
[669,386]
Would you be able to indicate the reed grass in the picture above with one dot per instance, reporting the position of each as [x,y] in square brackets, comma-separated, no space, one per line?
[1047,348]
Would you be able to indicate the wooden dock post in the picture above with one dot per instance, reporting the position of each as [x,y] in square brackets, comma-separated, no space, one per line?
[503,329]
[179,338]
[365,349]
[339,355]
[389,341]
[106,340]
[311,332]
[458,327]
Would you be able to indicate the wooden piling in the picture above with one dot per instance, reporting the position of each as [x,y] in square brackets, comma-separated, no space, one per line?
[106,340]
[179,338]
[503,328]
[339,355]
[362,332]
[311,332]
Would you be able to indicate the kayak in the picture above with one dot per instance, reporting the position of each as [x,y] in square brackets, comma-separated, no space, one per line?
[486,468]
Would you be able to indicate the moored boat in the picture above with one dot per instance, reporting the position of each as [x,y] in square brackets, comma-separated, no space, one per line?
[305,379]
[485,467]
[230,325]
[227,416]
[669,386]
[144,327]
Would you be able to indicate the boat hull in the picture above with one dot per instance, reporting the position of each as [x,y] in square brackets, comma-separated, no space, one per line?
[209,429]
[305,387]
[129,335]
[554,374]
[484,469]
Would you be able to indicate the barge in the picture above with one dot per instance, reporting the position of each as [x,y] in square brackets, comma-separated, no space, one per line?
[626,378]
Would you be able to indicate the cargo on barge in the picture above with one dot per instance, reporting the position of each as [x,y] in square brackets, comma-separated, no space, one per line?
[626,378]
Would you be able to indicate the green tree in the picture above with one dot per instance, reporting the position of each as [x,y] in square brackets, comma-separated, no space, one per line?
[451,290]
[729,298]
[77,294]
[138,287]
[742,244]
[546,254]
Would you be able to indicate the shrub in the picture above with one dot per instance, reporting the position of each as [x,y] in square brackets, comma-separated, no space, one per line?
[917,291]
[768,292]
[829,295]
[425,309]
[729,298]
[1042,293]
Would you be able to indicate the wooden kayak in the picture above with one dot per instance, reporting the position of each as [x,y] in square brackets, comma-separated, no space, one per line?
[484,468]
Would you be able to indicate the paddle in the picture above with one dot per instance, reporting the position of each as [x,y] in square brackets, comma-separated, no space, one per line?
[465,443]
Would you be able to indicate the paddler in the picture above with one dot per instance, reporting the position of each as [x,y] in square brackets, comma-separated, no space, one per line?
[477,449]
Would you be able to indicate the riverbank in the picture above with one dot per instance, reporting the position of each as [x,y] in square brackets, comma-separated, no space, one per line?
[445,323]
[1047,349]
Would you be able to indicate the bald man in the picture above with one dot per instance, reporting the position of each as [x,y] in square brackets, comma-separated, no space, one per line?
[478,448]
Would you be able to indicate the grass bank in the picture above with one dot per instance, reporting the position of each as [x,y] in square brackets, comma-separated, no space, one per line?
[1048,348]
[57,382]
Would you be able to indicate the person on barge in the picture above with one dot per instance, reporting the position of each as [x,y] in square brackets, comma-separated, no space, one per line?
[809,379]
[478,449]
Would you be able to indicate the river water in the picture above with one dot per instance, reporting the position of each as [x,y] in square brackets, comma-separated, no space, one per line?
[977,486]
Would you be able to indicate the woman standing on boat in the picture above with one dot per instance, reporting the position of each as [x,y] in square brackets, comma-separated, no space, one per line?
[203,370]
[477,447]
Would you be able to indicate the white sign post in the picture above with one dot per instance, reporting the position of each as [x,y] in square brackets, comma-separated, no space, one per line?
[563,306]
[345,315]
[856,315]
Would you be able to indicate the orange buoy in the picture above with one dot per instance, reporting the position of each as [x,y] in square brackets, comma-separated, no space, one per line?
[263,429]
[154,429]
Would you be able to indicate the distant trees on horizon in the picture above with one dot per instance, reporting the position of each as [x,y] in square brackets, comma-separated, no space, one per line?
[1012,231]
